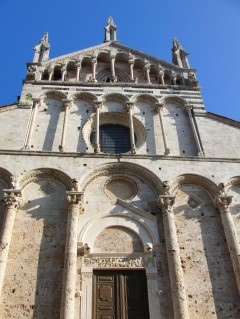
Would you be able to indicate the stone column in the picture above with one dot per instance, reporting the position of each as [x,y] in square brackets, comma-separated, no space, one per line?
[195,133]
[97,106]
[78,64]
[74,199]
[179,299]
[36,104]
[147,71]
[161,77]
[174,78]
[67,105]
[223,202]
[112,57]
[50,74]
[131,63]
[64,71]
[12,201]
[159,109]
[94,66]
[129,107]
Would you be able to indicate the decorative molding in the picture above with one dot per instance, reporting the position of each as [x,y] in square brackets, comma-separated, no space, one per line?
[118,97]
[46,173]
[12,198]
[124,168]
[145,97]
[124,179]
[119,262]
[6,177]
[193,179]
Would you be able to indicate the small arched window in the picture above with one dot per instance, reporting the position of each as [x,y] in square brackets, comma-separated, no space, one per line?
[113,138]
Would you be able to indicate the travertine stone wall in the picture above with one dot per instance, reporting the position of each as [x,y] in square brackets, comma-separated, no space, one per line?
[32,288]
[208,273]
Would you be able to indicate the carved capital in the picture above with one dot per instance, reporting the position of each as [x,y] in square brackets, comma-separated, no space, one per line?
[36,101]
[97,104]
[94,60]
[12,198]
[158,107]
[166,202]
[67,103]
[222,202]
[74,198]
[129,106]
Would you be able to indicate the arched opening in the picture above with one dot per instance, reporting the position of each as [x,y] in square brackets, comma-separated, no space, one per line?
[86,70]
[45,75]
[57,73]
[71,71]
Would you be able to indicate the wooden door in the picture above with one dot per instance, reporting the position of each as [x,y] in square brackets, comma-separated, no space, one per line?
[120,294]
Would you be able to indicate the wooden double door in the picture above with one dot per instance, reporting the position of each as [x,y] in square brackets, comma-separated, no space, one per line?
[120,294]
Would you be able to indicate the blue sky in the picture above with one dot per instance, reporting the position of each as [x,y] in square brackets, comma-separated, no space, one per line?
[208,29]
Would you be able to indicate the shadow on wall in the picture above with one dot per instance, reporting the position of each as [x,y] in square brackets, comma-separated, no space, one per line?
[209,278]
[42,225]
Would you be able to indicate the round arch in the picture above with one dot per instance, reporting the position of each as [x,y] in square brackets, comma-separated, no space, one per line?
[177,100]
[118,97]
[124,168]
[145,98]
[7,177]
[57,95]
[46,173]
[233,181]
[96,226]
[87,96]
[194,179]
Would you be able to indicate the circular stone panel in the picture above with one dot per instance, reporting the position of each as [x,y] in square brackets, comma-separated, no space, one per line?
[120,187]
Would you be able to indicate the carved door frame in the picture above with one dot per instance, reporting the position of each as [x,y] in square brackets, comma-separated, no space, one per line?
[146,262]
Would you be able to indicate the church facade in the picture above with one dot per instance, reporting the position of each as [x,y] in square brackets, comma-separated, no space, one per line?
[120,193]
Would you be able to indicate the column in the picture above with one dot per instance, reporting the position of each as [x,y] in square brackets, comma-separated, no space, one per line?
[50,74]
[161,77]
[159,109]
[195,133]
[174,78]
[67,104]
[78,64]
[112,57]
[147,71]
[12,201]
[223,202]
[130,106]
[36,104]
[97,106]
[131,63]
[64,71]
[179,299]
[94,66]
[74,199]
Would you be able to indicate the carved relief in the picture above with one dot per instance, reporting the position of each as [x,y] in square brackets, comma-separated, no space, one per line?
[119,262]
[47,188]
[193,201]
[12,199]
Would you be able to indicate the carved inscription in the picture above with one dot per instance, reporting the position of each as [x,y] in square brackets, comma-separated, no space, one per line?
[121,262]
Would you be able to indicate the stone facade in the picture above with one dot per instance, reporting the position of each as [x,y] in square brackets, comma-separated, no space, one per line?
[169,205]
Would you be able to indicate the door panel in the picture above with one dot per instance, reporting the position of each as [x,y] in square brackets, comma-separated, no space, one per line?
[120,294]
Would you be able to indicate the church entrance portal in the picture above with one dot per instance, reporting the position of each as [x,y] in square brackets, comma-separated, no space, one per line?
[120,294]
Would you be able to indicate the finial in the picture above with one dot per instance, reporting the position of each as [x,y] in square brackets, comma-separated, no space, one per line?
[110,30]
[179,55]
[42,49]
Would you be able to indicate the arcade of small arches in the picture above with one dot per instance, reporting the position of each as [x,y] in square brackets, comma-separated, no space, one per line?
[106,67]
[95,128]
[144,241]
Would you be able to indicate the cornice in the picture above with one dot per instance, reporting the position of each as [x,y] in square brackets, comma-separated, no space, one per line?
[109,84]
[119,157]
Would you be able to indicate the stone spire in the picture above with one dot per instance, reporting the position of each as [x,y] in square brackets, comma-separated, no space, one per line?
[110,31]
[41,50]
[179,55]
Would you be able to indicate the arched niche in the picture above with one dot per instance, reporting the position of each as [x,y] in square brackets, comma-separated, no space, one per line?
[154,74]
[138,71]
[203,249]
[179,132]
